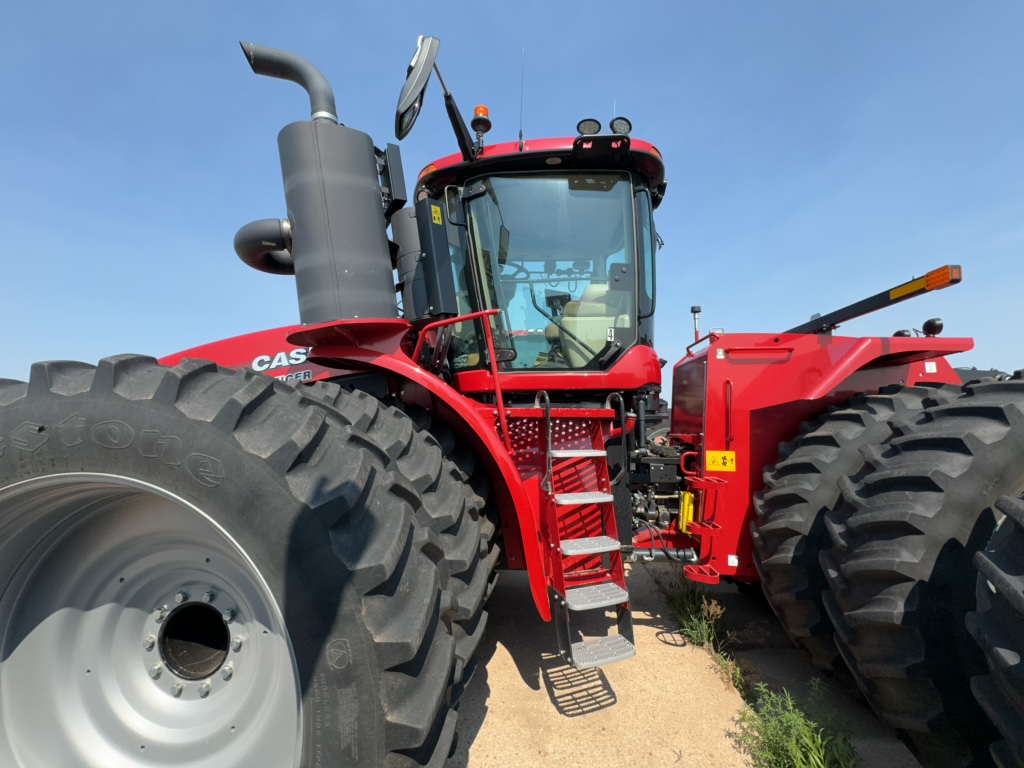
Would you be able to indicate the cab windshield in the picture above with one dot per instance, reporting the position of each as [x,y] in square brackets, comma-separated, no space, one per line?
[555,253]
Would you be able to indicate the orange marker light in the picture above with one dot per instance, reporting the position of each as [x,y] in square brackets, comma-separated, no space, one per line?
[942,277]
[481,119]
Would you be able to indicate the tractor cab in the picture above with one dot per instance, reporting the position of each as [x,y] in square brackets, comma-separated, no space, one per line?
[564,253]
[557,240]
[553,239]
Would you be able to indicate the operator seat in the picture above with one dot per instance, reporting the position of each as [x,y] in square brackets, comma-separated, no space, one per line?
[590,319]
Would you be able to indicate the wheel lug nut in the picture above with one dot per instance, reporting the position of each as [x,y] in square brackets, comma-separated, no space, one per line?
[156,670]
[228,615]
[208,596]
[149,643]
[204,690]
[227,671]
[159,614]
[236,643]
[181,597]
[176,690]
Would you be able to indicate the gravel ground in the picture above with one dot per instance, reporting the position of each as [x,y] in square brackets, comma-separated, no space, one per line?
[667,706]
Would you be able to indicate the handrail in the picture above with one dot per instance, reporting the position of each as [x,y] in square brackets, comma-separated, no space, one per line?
[446,321]
[713,335]
[728,414]
[682,464]
[621,413]
[545,484]
[497,384]
[489,338]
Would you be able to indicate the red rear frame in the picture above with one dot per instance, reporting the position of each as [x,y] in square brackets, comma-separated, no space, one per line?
[742,395]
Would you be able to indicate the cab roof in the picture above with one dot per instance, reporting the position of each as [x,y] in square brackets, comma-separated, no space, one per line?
[592,152]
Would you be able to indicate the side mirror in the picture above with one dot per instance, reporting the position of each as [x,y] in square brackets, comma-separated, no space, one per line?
[411,99]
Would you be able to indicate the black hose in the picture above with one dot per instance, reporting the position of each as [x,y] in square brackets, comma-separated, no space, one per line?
[664,547]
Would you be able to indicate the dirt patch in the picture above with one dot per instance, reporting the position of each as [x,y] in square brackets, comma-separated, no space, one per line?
[667,706]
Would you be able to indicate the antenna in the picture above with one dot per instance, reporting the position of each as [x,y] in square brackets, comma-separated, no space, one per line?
[522,87]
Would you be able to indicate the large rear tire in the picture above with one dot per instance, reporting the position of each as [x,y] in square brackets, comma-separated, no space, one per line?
[900,575]
[204,567]
[997,627]
[463,537]
[789,532]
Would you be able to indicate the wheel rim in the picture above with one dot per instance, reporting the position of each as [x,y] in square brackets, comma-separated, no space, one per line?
[135,631]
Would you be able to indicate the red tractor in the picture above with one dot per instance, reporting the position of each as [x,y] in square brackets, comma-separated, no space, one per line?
[204,564]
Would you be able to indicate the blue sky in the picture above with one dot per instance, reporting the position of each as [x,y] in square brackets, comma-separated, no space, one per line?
[817,153]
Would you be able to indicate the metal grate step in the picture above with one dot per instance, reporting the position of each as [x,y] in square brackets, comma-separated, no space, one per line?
[600,651]
[591,546]
[574,499]
[573,453]
[595,596]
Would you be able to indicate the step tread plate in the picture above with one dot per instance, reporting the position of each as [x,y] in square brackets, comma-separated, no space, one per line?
[591,497]
[599,651]
[595,596]
[590,546]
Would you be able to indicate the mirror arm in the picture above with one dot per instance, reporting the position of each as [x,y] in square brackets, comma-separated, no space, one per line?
[458,124]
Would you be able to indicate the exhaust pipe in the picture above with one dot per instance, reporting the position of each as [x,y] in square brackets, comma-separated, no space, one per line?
[271,62]
[336,219]
[266,245]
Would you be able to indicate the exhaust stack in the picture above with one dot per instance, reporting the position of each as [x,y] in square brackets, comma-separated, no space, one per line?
[336,219]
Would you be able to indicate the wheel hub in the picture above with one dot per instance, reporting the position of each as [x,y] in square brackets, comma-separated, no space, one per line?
[135,632]
[194,641]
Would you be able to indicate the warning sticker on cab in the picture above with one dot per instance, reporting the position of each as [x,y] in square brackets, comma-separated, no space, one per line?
[435,214]
[720,461]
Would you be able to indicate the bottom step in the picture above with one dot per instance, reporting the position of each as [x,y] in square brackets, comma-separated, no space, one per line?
[600,651]
[705,574]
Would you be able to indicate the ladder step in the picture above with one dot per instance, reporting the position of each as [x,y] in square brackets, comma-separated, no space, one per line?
[573,499]
[704,528]
[704,574]
[591,546]
[573,453]
[600,651]
[595,596]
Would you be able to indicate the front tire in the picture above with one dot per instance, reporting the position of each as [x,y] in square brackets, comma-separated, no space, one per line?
[204,567]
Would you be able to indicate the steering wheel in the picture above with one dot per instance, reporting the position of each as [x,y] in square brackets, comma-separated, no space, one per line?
[518,270]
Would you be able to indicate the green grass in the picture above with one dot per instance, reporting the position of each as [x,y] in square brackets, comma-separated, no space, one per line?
[773,729]
[699,616]
[777,733]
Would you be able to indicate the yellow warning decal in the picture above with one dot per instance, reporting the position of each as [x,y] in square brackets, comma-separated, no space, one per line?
[435,213]
[720,461]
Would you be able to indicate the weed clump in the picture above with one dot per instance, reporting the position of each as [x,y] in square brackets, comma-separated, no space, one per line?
[773,729]
[699,618]
[776,733]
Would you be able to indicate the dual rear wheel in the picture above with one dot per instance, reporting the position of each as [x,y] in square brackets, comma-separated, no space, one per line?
[207,567]
[895,543]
